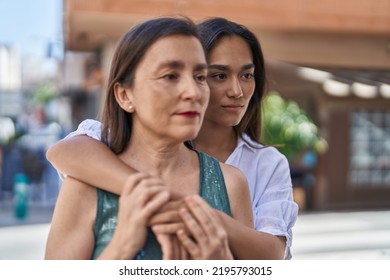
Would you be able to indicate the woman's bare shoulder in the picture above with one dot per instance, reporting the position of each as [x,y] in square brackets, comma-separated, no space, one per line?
[233,175]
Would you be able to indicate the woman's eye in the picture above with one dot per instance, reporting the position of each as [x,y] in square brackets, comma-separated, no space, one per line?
[248,76]
[201,78]
[170,76]
[219,76]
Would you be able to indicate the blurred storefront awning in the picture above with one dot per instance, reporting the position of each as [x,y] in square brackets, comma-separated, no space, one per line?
[350,82]
[344,33]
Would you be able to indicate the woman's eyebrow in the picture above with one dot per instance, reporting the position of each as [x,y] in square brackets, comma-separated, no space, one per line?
[248,66]
[201,66]
[226,67]
[176,64]
[219,67]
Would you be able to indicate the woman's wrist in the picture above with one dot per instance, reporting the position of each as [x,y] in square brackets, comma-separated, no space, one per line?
[117,250]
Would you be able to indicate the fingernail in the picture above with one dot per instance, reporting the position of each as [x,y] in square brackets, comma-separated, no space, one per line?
[155,228]
[166,193]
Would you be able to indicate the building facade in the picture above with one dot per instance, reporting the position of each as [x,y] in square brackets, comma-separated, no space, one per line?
[331,57]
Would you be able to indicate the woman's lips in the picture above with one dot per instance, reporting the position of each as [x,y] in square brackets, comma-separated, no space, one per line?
[232,108]
[189,114]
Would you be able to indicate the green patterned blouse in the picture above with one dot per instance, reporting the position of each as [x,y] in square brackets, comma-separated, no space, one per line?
[212,189]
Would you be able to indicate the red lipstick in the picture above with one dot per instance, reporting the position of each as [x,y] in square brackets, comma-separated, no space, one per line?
[189,114]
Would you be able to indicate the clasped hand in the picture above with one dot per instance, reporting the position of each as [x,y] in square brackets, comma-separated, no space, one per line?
[188,228]
[185,227]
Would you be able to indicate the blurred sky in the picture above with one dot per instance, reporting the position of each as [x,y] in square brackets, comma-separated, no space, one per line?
[32,25]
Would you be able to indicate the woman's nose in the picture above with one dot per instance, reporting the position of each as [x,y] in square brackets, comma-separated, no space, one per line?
[235,91]
[192,90]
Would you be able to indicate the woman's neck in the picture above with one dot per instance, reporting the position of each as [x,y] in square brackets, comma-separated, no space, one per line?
[217,141]
[156,157]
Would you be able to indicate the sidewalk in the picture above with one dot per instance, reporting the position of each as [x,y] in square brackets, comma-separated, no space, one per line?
[37,214]
[362,235]
[24,239]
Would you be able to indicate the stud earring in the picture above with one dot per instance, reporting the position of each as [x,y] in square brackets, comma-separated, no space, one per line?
[131,108]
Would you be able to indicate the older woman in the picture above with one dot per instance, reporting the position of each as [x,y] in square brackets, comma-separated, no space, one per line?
[156,100]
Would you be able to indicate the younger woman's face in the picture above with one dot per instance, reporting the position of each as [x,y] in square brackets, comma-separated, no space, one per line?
[231,81]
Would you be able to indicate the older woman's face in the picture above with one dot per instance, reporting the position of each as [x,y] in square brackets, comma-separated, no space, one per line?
[231,81]
[170,91]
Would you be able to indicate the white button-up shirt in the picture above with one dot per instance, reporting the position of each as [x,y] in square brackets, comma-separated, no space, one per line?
[269,179]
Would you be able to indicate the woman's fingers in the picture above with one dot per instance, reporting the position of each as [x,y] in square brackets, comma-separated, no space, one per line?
[193,226]
[142,189]
[165,242]
[171,247]
[132,181]
[156,197]
[174,204]
[204,215]
[208,238]
[189,244]
[143,196]
[176,247]
[184,255]
[141,180]
[168,228]
[171,216]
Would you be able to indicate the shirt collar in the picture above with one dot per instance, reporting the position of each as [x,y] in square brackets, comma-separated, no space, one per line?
[253,145]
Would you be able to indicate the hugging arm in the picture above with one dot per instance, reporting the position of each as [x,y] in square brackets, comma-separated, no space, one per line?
[90,161]
[248,243]
[244,240]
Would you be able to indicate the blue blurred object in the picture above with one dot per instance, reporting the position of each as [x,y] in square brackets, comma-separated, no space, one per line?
[20,199]
[309,159]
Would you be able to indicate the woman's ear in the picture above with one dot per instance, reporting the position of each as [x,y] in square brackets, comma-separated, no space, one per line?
[124,97]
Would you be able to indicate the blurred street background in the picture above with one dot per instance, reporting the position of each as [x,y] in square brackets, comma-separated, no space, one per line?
[347,235]
[327,109]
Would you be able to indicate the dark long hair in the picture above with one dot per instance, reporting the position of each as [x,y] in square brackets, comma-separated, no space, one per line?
[212,31]
[117,123]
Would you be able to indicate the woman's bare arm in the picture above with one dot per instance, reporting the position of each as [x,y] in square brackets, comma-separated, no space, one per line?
[238,192]
[245,242]
[249,244]
[71,231]
[90,161]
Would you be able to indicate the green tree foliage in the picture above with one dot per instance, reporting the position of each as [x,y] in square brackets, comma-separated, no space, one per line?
[287,127]
[44,93]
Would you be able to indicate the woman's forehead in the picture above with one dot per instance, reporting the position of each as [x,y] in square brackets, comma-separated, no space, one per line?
[175,47]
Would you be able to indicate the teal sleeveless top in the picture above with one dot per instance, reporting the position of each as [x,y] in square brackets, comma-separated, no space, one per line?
[212,188]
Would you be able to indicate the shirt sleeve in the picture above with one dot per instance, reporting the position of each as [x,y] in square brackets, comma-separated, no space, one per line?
[89,127]
[274,208]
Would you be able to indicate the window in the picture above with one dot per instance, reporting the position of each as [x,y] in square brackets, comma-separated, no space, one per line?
[370,149]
